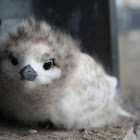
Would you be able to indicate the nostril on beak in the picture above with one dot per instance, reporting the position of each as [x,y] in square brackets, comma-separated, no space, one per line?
[28,73]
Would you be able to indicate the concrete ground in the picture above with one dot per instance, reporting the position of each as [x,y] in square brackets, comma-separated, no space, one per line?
[129,51]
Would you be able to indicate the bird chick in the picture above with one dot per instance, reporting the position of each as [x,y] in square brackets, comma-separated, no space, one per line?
[45,77]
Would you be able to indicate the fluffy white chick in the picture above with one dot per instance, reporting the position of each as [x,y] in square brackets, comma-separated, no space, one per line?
[45,77]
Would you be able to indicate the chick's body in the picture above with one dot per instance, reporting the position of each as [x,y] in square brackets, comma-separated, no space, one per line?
[45,77]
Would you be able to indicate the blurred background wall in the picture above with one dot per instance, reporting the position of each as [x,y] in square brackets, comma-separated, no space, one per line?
[128,14]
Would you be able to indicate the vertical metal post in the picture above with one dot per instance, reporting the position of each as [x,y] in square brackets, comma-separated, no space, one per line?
[113,37]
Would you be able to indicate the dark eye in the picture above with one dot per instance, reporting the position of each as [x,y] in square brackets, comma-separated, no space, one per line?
[49,64]
[13,59]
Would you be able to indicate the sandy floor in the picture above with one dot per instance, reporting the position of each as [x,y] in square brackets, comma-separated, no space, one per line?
[129,49]
[16,132]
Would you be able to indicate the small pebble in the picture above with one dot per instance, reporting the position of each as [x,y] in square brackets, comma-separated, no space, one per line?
[82,130]
[32,131]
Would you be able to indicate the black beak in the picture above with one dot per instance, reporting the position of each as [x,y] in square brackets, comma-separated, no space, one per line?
[28,73]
